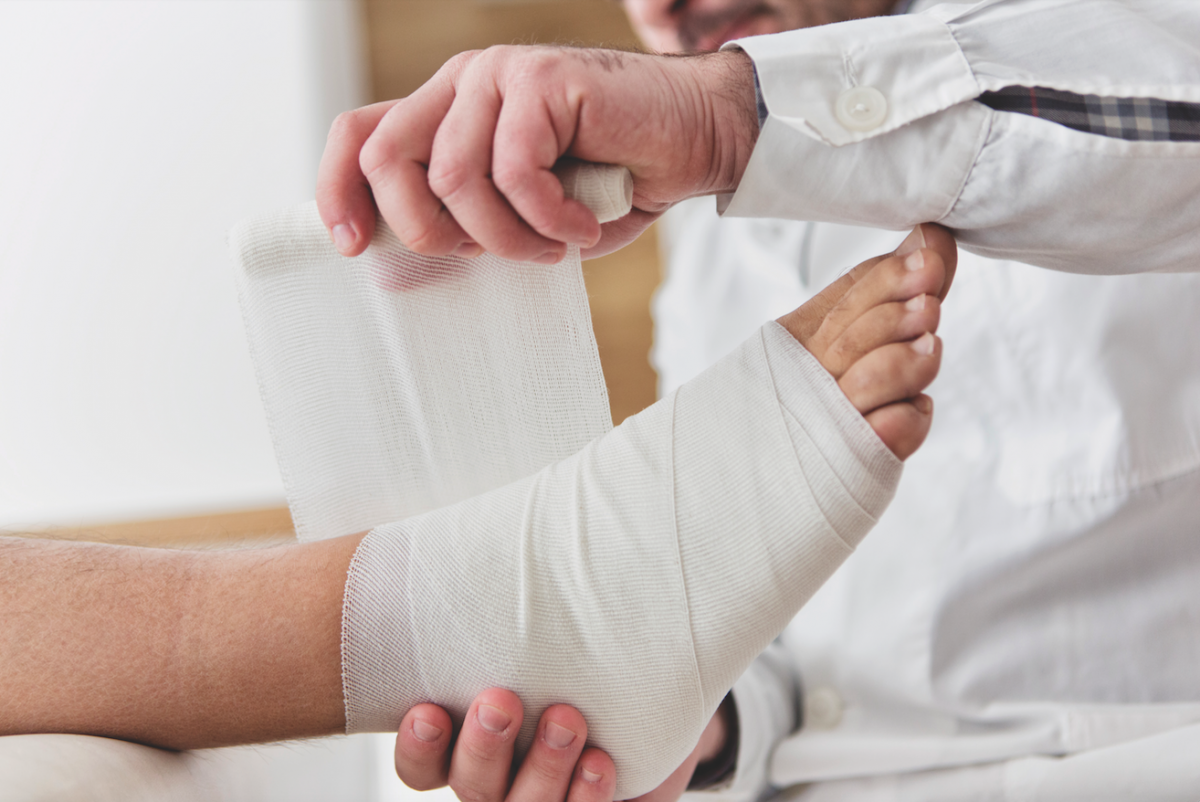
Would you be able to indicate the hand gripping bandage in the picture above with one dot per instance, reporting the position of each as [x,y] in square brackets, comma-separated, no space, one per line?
[633,573]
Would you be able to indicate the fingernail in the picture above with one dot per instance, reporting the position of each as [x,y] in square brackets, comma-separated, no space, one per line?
[548,258]
[425,731]
[914,241]
[590,776]
[468,250]
[924,344]
[924,404]
[343,237]
[492,719]
[558,737]
[914,261]
[915,304]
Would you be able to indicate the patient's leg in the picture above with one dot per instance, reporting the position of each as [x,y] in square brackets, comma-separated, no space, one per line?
[652,567]
[194,649]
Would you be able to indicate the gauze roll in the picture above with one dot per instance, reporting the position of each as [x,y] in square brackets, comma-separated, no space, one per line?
[633,574]
[396,383]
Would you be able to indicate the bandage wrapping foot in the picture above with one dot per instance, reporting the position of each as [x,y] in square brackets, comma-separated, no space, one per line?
[635,579]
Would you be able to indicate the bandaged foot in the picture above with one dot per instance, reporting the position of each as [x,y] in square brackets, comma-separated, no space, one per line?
[648,570]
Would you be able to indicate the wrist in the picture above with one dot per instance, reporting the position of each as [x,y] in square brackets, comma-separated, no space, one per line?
[731,113]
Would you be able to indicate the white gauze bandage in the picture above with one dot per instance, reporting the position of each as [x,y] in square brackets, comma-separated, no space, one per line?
[635,579]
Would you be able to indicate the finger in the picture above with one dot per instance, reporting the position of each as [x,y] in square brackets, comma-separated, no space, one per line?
[343,193]
[395,162]
[903,426]
[547,770]
[423,748]
[482,760]
[892,373]
[460,169]
[527,145]
[621,232]
[595,778]
[887,323]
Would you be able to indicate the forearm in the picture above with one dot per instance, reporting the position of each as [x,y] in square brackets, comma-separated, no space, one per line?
[172,648]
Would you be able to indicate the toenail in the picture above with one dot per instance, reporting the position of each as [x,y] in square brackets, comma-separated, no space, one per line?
[924,404]
[915,304]
[914,261]
[492,719]
[558,737]
[913,242]
[924,344]
[590,776]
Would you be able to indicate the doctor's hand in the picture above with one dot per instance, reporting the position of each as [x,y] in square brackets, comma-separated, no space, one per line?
[463,164]
[479,765]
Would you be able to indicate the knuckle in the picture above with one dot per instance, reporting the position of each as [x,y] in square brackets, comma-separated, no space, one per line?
[468,792]
[376,155]
[464,58]
[509,178]
[425,240]
[483,751]
[447,177]
[551,770]
[348,125]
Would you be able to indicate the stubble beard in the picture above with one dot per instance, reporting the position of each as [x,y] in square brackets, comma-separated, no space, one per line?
[697,30]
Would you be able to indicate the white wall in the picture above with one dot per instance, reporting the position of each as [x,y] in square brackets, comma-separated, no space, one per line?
[132,136]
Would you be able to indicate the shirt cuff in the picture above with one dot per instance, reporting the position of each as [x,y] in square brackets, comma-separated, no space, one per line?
[895,69]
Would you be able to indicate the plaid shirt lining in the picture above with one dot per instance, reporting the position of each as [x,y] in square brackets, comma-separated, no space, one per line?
[1138,119]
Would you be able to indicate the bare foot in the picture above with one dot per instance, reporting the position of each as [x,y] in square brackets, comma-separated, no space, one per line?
[873,330]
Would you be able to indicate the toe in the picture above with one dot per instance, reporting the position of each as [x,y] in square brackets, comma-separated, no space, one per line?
[941,242]
[894,279]
[888,323]
[892,373]
[903,426]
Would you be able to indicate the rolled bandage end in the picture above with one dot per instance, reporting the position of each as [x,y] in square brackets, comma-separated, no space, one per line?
[606,189]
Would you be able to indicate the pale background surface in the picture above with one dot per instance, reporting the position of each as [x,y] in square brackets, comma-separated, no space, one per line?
[134,135]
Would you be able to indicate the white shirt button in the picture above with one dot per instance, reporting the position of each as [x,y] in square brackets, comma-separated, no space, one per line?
[862,108]
[822,709]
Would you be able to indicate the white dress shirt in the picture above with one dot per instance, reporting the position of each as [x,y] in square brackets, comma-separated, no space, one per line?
[1024,622]
[1010,185]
